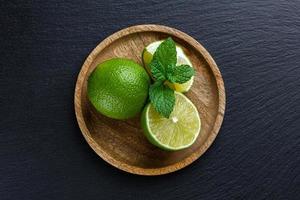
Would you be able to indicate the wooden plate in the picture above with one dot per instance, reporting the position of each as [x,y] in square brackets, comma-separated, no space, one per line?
[122,143]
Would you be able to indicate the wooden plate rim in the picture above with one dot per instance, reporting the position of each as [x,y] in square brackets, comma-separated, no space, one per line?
[134,169]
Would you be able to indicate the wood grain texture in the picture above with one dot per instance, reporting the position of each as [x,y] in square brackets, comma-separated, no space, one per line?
[256,46]
[122,143]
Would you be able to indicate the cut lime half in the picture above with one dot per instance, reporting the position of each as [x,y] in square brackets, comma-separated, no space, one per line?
[177,132]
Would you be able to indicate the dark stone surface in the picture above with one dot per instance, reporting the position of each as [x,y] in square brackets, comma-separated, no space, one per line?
[256,45]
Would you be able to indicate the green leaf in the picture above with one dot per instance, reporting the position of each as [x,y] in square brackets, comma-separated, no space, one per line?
[180,74]
[164,55]
[158,71]
[162,98]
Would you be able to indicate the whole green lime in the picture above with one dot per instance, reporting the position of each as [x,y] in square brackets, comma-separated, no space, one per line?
[118,88]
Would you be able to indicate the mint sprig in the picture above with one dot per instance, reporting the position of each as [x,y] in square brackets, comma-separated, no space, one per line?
[163,68]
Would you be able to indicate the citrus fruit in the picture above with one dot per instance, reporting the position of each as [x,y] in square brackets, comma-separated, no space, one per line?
[177,132]
[118,88]
[182,59]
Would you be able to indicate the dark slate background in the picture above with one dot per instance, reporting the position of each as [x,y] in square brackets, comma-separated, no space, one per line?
[256,45]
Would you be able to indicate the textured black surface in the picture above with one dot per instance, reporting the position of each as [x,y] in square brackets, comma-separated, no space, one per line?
[256,45]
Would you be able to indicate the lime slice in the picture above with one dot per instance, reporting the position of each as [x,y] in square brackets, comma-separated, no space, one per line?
[177,132]
[182,59]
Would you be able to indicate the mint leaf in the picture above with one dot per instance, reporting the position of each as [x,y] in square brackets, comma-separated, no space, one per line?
[166,53]
[162,98]
[158,70]
[180,74]
[163,68]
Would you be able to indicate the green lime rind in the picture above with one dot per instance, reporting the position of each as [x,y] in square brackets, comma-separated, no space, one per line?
[118,88]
